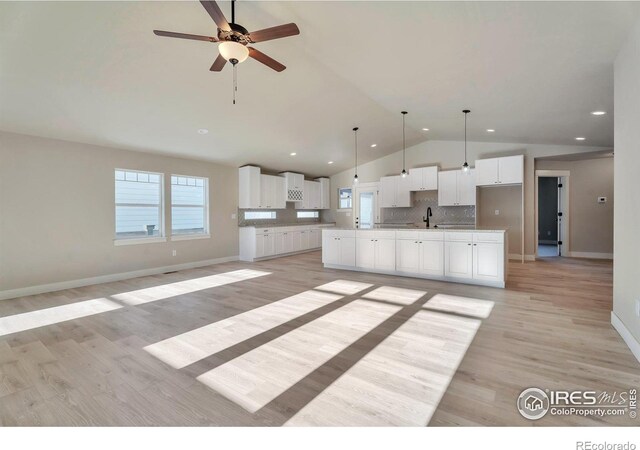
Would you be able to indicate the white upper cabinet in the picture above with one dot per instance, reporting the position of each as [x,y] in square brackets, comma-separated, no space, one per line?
[423,179]
[249,186]
[325,193]
[456,188]
[312,194]
[505,170]
[272,195]
[395,192]
[294,186]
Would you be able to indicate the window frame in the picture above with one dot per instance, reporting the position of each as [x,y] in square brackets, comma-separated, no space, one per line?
[339,208]
[206,234]
[161,237]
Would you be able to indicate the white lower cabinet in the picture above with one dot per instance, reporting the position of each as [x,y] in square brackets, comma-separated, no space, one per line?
[256,243]
[265,245]
[465,256]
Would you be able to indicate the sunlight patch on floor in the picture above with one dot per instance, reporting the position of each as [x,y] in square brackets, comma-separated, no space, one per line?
[398,383]
[395,295]
[344,287]
[164,291]
[194,345]
[460,305]
[56,314]
[259,376]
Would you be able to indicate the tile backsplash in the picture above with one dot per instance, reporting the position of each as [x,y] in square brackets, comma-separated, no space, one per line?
[457,215]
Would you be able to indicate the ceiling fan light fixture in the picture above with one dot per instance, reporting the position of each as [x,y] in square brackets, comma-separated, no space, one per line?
[233,51]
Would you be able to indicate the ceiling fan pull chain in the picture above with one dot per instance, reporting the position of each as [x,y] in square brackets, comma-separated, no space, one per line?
[235,82]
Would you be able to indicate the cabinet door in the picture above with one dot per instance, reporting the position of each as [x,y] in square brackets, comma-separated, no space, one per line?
[416,179]
[316,240]
[488,261]
[249,187]
[408,255]
[510,169]
[279,193]
[317,195]
[304,240]
[330,249]
[296,239]
[467,188]
[403,192]
[288,242]
[260,245]
[347,251]
[385,254]
[430,178]
[325,193]
[448,188]
[458,260]
[486,172]
[269,244]
[278,244]
[365,252]
[387,192]
[432,257]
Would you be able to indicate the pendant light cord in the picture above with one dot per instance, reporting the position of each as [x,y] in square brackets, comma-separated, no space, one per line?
[404,113]
[355,132]
[465,137]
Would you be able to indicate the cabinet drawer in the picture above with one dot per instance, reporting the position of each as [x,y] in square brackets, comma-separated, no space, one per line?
[265,230]
[488,237]
[415,235]
[432,236]
[376,234]
[458,236]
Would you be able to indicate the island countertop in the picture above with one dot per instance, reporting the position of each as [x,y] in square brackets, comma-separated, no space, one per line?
[445,230]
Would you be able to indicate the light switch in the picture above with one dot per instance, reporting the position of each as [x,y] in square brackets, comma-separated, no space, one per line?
[497,212]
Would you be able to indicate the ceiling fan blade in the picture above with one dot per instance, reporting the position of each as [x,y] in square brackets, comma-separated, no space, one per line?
[218,64]
[266,60]
[289,29]
[216,14]
[195,37]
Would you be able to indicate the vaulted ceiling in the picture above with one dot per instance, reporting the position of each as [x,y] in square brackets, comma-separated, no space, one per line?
[94,72]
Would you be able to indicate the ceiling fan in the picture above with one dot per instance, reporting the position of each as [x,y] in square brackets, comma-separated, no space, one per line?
[234,39]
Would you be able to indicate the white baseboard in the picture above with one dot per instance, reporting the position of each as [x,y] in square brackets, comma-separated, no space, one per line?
[71,284]
[628,338]
[590,255]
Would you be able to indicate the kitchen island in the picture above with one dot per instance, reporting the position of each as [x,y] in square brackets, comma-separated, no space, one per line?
[472,256]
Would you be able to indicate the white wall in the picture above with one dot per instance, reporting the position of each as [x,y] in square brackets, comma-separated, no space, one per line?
[626,266]
[57,212]
[450,155]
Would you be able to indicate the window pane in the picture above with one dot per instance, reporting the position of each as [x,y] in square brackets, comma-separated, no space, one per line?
[308,214]
[137,192]
[140,221]
[187,219]
[187,195]
[253,215]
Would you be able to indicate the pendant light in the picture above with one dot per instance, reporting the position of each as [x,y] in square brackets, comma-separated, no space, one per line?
[403,174]
[465,166]
[355,177]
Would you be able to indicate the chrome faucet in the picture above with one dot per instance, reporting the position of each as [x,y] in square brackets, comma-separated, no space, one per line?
[426,219]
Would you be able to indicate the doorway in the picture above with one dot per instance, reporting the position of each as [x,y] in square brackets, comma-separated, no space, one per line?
[367,213]
[552,206]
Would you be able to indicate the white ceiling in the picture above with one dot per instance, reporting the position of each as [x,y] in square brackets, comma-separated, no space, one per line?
[94,72]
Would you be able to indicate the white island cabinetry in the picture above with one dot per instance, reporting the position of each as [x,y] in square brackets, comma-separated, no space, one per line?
[270,242]
[464,256]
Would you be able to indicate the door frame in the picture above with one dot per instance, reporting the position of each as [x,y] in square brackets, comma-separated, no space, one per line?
[565,175]
[356,189]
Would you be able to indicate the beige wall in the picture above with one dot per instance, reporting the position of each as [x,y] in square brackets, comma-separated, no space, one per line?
[626,266]
[508,201]
[449,155]
[57,212]
[591,223]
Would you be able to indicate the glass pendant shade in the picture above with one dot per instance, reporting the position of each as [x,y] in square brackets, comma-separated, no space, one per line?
[355,178]
[465,167]
[233,50]
[403,174]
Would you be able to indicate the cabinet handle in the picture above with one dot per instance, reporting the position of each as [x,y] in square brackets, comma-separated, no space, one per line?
[468,244]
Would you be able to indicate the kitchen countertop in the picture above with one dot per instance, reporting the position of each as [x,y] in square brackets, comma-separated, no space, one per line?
[448,230]
[274,225]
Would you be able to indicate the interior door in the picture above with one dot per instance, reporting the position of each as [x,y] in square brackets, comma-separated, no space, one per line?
[367,211]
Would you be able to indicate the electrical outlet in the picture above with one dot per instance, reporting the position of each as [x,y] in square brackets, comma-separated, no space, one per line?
[175,252]
[497,212]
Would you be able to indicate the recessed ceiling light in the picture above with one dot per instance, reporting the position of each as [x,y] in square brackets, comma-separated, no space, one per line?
[425,129]
[330,162]
[490,130]
[293,153]
[598,113]
[203,131]
[580,139]
[374,145]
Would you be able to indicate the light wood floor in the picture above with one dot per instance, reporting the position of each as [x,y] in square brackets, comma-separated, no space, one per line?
[550,329]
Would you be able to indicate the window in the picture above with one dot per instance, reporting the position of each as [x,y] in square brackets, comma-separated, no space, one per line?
[308,214]
[189,205]
[259,215]
[344,198]
[138,204]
